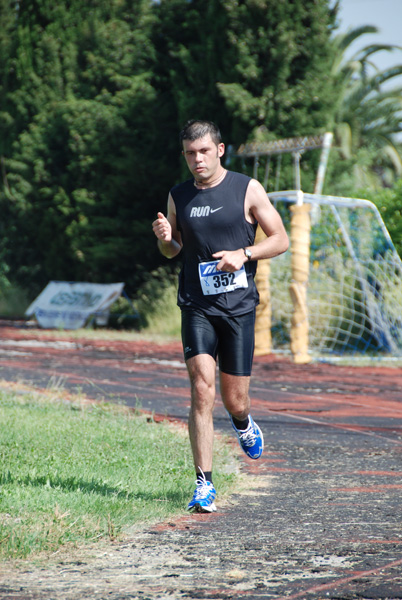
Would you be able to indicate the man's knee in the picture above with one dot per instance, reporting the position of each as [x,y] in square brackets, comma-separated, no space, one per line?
[201,370]
[202,391]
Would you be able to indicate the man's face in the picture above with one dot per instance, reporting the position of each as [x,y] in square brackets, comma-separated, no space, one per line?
[203,157]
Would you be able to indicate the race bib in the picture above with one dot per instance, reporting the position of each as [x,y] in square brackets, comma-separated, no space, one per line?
[217,282]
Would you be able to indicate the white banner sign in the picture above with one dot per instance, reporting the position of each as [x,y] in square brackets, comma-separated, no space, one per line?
[66,305]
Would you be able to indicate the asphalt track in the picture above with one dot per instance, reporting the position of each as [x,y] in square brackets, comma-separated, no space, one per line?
[326,520]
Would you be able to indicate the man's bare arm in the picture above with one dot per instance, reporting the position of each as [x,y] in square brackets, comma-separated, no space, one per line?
[260,208]
[165,229]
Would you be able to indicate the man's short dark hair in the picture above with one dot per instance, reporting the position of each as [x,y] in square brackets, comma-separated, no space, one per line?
[196,129]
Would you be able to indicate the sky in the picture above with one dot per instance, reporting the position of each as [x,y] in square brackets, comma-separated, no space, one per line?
[386,15]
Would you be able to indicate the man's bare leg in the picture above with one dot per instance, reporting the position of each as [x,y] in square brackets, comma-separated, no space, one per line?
[236,399]
[202,373]
[234,392]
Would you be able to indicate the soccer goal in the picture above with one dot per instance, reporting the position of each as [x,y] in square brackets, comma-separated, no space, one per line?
[338,290]
[354,288]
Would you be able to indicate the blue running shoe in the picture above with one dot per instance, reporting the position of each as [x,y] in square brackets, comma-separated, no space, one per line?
[251,439]
[204,496]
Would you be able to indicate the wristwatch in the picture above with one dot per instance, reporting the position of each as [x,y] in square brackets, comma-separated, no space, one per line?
[247,252]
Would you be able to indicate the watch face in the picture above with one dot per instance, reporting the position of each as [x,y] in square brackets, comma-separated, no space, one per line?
[247,253]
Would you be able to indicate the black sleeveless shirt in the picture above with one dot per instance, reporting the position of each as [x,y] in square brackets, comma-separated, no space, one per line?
[209,221]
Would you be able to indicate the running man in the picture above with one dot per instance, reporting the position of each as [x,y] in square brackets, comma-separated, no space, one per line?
[213,218]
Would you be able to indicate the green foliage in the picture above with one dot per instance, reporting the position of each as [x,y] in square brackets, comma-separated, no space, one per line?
[7,43]
[261,67]
[74,185]
[124,315]
[72,201]
[156,302]
[13,299]
[389,203]
[367,117]
[92,95]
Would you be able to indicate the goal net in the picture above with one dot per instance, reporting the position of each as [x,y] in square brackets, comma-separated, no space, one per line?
[354,293]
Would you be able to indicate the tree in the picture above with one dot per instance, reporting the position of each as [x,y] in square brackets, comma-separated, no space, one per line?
[76,181]
[367,116]
[388,202]
[97,92]
[7,43]
[256,67]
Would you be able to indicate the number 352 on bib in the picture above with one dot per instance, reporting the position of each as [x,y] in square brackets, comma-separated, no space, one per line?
[217,282]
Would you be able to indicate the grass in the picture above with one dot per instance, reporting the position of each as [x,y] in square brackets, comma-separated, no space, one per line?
[74,472]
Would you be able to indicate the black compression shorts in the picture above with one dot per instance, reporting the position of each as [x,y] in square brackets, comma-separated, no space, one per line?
[230,339]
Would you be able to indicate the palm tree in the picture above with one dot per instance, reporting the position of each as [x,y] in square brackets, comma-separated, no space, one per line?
[368,115]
